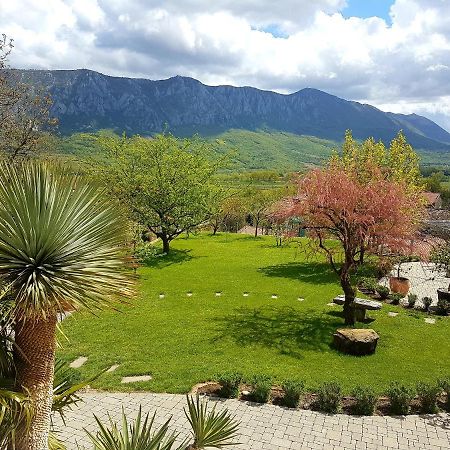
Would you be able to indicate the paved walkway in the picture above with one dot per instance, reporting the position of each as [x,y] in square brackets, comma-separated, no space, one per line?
[423,279]
[267,426]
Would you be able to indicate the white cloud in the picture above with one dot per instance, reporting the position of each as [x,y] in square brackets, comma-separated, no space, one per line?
[402,67]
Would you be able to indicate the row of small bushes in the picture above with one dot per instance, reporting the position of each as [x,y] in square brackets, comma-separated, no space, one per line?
[329,395]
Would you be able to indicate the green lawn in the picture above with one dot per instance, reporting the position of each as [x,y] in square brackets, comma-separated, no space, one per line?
[183,340]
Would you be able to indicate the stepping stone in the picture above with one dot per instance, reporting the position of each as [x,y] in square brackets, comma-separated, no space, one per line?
[301,299]
[189,294]
[392,314]
[113,368]
[218,294]
[274,296]
[331,304]
[245,294]
[135,379]
[429,320]
[78,362]
[161,295]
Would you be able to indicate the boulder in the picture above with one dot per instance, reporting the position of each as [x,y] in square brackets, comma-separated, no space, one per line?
[355,341]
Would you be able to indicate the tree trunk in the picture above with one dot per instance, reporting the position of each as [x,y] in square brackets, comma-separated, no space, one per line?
[166,243]
[35,363]
[349,310]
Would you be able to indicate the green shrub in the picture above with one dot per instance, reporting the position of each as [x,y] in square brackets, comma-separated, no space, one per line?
[368,283]
[395,298]
[366,400]
[428,395]
[444,383]
[262,385]
[412,299]
[443,307]
[293,391]
[329,397]
[230,382]
[400,397]
[382,291]
[427,301]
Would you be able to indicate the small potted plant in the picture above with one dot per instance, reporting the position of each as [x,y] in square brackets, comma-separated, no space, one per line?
[398,284]
[441,259]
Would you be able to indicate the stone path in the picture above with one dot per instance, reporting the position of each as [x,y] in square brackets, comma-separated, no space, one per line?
[423,279]
[267,426]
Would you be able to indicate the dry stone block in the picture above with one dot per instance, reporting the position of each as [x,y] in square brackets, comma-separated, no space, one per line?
[356,341]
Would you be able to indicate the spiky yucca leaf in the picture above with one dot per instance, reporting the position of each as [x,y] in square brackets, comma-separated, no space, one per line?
[210,429]
[137,435]
[60,240]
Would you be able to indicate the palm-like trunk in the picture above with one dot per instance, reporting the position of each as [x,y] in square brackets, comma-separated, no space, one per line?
[35,361]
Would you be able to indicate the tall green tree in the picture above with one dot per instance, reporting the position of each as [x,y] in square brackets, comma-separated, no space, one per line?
[60,247]
[164,182]
[398,162]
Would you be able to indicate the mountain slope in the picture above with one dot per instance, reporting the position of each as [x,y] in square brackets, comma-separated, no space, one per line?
[86,101]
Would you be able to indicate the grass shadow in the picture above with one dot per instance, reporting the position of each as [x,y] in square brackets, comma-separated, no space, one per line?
[173,257]
[280,328]
[307,272]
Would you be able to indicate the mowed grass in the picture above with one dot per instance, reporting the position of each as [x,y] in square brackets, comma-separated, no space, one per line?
[182,340]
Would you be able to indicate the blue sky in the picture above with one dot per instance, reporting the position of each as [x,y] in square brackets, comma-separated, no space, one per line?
[368,8]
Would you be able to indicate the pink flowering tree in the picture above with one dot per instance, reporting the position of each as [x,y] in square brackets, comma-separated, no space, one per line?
[346,218]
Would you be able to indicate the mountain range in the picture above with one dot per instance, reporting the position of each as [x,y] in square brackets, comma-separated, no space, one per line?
[85,100]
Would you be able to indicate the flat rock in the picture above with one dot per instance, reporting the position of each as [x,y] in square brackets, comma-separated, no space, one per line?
[331,304]
[274,296]
[135,379]
[218,294]
[359,342]
[245,294]
[113,368]
[361,303]
[78,362]
[301,299]
[430,320]
[392,314]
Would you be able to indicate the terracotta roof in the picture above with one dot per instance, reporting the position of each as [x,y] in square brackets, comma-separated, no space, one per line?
[431,197]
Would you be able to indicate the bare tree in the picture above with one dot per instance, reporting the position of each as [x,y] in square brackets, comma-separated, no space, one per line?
[25,121]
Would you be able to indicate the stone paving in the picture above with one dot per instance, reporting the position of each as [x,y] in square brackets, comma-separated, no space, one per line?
[424,281]
[267,426]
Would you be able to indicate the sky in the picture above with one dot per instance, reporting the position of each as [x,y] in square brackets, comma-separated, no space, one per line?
[393,54]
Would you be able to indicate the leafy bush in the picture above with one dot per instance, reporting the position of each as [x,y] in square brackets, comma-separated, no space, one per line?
[230,382]
[384,267]
[428,395]
[395,298]
[412,299]
[368,283]
[444,383]
[366,399]
[262,385]
[400,397]
[382,291]
[427,301]
[293,391]
[329,397]
[146,253]
[443,307]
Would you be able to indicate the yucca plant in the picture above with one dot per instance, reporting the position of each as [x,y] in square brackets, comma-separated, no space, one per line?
[209,429]
[137,435]
[60,240]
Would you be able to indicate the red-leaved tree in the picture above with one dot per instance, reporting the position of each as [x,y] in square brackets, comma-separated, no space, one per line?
[346,217]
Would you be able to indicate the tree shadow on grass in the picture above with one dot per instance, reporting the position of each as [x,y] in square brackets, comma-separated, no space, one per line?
[280,328]
[314,273]
[173,257]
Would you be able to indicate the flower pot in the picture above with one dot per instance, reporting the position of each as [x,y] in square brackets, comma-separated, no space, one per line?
[399,285]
